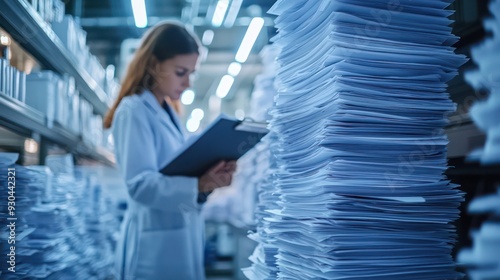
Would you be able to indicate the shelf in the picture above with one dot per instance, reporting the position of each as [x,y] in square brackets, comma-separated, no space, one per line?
[25,26]
[25,120]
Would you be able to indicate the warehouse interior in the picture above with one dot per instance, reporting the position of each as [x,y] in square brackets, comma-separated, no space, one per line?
[83,48]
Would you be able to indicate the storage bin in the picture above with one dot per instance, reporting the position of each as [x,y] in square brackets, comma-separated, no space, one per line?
[85,120]
[96,130]
[58,11]
[3,75]
[41,92]
[62,105]
[8,79]
[15,83]
[49,10]
[74,113]
[66,31]
[22,87]
[67,91]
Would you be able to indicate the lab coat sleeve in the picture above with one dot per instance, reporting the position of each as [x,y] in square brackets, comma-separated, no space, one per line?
[135,151]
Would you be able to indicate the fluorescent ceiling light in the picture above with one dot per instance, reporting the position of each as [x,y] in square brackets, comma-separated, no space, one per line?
[220,12]
[232,14]
[140,15]
[192,125]
[208,37]
[249,40]
[197,114]
[187,97]
[234,69]
[224,86]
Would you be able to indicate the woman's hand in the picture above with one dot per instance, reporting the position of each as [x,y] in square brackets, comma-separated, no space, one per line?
[218,176]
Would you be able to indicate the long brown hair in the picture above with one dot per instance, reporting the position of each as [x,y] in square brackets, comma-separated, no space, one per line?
[163,41]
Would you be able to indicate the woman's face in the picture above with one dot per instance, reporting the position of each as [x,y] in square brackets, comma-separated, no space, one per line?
[172,76]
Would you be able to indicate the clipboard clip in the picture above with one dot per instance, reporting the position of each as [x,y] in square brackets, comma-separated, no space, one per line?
[250,125]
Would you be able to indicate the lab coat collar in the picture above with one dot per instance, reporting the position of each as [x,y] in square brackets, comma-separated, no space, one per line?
[152,103]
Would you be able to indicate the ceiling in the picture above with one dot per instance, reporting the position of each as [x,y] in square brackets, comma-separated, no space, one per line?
[109,22]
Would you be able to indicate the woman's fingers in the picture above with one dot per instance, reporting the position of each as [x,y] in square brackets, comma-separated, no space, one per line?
[220,175]
[219,166]
[230,166]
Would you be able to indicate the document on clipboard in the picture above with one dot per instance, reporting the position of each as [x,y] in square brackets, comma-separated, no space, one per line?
[225,139]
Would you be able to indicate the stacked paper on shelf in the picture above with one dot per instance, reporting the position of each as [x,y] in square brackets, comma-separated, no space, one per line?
[62,232]
[264,256]
[486,113]
[14,200]
[482,260]
[237,203]
[12,81]
[360,149]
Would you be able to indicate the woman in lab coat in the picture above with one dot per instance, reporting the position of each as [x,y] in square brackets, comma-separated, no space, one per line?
[162,234]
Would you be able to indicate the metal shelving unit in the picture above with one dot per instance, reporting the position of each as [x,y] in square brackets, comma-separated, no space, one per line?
[27,121]
[27,28]
[23,23]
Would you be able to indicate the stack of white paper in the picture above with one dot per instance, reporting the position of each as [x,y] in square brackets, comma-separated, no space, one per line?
[264,256]
[14,200]
[60,232]
[482,260]
[237,203]
[360,148]
[487,113]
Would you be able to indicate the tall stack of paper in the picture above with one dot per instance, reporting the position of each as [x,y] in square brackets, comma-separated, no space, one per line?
[264,256]
[487,113]
[359,142]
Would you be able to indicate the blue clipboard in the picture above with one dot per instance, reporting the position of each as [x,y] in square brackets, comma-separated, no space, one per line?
[225,139]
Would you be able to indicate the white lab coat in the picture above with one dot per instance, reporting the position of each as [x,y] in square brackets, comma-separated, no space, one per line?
[162,233]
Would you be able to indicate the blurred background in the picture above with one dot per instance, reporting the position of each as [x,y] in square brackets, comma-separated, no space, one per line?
[61,63]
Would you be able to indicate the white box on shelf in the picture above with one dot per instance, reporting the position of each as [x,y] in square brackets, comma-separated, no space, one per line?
[81,41]
[15,83]
[41,92]
[68,90]
[96,130]
[85,60]
[97,71]
[85,119]
[74,113]
[3,75]
[99,130]
[22,87]
[49,10]
[66,31]
[34,4]
[61,104]
[40,8]
[8,79]
[70,84]
[58,10]
[81,112]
